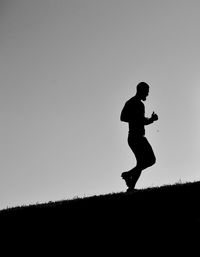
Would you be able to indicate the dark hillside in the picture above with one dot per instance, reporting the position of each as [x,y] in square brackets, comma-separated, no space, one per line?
[149,214]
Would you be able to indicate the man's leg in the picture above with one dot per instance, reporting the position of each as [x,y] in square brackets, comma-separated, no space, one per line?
[145,158]
[132,175]
[135,176]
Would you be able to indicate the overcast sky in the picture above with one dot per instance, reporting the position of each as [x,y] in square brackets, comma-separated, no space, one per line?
[66,69]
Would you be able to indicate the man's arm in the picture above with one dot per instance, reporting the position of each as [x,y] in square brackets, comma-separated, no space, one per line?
[125,113]
[153,118]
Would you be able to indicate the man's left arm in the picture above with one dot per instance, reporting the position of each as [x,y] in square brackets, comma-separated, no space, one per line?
[153,118]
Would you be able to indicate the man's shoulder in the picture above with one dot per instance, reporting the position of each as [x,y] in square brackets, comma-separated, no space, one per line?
[134,101]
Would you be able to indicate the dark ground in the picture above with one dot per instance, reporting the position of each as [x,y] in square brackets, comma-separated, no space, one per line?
[166,218]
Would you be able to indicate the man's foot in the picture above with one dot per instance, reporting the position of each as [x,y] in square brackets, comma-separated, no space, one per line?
[127,177]
[125,174]
[131,189]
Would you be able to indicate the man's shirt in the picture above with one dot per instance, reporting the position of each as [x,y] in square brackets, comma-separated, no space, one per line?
[135,110]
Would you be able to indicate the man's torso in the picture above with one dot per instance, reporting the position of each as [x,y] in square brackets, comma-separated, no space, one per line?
[137,114]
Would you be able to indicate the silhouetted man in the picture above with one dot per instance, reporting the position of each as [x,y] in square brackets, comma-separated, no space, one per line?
[134,114]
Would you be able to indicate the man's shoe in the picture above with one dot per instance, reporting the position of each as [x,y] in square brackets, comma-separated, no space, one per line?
[127,177]
[131,190]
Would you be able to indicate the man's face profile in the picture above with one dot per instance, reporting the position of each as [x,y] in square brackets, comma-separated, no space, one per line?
[144,93]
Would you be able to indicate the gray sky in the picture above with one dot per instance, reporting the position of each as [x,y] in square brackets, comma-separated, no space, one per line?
[66,70]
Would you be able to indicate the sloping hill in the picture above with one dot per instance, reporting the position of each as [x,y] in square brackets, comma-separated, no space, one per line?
[170,203]
[148,214]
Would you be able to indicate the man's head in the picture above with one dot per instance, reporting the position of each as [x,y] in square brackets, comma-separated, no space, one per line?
[142,91]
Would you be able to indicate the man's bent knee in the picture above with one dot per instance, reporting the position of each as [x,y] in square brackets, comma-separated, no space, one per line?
[149,163]
[152,161]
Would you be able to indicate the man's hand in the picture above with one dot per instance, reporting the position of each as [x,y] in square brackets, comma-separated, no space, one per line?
[154,116]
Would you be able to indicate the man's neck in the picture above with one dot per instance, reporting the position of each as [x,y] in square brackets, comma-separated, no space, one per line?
[137,97]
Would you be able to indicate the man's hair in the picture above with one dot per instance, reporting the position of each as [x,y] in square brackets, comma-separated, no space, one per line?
[141,86]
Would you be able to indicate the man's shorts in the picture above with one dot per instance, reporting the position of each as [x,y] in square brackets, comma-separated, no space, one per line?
[142,150]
